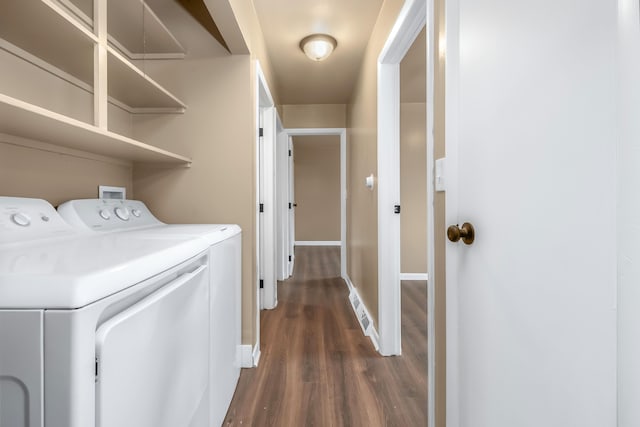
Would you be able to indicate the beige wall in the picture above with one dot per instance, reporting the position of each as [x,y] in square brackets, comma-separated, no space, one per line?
[217,131]
[413,157]
[362,217]
[314,116]
[20,79]
[413,187]
[247,19]
[56,174]
[317,187]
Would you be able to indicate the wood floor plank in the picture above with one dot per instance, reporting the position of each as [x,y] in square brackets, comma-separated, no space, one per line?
[318,369]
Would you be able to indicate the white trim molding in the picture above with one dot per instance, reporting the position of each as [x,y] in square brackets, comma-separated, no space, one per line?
[263,101]
[256,355]
[410,22]
[246,356]
[249,355]
[414,276]
[318,242]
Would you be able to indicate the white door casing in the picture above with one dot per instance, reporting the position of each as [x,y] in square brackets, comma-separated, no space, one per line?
[530,141]
[410,22]
[265,225]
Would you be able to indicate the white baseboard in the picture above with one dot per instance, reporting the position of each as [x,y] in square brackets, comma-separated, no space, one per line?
[375,338]
[348,281]
[246,356]
[256,354]
[414,276]
[249,355]
[318,243]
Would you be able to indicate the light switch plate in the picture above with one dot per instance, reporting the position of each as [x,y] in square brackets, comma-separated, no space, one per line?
[440,174]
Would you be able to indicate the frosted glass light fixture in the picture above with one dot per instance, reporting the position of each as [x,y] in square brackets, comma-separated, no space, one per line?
[318,47]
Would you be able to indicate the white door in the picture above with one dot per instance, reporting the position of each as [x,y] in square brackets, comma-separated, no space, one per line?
[260,221]
[292,210]
[531,131]
[629,216]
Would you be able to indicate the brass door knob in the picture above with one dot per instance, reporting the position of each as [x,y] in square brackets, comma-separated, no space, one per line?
[466,233]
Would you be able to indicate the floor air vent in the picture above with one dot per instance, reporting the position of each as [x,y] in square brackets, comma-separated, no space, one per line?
[361,312]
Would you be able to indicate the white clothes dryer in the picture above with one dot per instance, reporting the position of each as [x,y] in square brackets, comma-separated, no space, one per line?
[225,279]
[106,330]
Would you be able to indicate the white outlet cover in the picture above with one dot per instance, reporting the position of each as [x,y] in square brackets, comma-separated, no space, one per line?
[369,181]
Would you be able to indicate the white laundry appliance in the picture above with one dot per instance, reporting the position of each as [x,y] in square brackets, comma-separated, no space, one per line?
[106,330]
[224,241]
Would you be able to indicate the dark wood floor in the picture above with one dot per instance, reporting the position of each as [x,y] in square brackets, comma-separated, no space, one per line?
[317,368]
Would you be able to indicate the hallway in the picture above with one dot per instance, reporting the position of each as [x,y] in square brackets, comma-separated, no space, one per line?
[317,368]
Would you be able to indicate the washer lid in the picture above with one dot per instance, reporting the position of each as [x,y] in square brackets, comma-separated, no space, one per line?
[71,273]
[210,233]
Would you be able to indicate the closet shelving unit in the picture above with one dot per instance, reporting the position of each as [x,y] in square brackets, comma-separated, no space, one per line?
[58,36]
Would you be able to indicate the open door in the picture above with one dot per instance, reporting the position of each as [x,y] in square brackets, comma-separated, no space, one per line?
[292,210]
[531,152]
[282,201]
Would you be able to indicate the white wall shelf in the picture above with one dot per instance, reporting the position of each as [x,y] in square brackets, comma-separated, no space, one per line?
[132,87]
[47,31]
[57,36]
[83,9]
[134,28]
[138,32]
[25,120]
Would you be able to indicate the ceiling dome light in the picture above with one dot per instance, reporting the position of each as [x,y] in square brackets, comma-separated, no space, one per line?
[318,47]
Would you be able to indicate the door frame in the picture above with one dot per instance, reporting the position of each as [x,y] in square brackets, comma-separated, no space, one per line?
[342,133]
[413,17]
[266,115]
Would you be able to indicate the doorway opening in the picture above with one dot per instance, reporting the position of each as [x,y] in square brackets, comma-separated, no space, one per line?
[316,136]
[412,20]
[316,183]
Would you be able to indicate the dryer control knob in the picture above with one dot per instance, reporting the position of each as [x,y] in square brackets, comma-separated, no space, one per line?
[21,219]
[122,213]
[136,212]
[105,214]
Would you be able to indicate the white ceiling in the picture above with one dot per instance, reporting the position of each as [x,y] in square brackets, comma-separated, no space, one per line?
[299,80]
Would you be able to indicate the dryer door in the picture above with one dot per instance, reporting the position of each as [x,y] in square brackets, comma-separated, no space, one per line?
[152,358]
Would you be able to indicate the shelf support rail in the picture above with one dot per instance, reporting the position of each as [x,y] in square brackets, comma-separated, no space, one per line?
[100,94]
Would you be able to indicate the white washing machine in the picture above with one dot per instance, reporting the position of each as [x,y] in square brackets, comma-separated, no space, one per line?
[225,279]
[106,330]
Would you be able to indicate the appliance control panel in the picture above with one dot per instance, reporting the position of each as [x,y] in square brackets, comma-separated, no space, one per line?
[107,214]
[23,219]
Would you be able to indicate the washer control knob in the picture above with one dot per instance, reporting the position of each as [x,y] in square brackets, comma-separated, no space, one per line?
[136,212]
[21,219]
[105,214]
[122,213]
